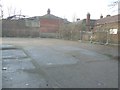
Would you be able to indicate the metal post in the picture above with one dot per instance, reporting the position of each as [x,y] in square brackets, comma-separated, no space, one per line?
[107,38]
[71,35]
[81,35]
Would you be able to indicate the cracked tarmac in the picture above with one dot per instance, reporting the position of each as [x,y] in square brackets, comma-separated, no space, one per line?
[51,63]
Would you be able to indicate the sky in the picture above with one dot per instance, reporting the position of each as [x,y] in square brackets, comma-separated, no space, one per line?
[69,9]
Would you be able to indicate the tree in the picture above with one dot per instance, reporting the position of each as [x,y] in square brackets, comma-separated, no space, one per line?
[13,11]
[1,11]
[115,4]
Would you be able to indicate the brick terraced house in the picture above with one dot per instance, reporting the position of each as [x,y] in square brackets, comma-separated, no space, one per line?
[106,30]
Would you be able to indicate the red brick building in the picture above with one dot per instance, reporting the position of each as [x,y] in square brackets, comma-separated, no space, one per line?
[49,25]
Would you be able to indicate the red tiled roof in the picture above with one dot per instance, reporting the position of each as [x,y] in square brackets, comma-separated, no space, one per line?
[109,19]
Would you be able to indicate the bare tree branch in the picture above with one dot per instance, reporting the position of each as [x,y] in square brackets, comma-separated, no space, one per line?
[113,4]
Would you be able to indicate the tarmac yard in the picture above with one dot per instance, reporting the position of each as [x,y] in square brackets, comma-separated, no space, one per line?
[54,63]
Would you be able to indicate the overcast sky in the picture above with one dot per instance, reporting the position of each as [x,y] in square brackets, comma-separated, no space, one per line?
[63,8]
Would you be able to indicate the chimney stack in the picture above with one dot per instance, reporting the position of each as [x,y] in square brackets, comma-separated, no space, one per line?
[101,16]
[48,11]
[88,22]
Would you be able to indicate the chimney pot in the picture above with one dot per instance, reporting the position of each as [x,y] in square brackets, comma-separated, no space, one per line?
[78,19]
[108,15]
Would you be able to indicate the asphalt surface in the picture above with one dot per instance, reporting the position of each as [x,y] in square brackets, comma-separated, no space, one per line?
[53,63]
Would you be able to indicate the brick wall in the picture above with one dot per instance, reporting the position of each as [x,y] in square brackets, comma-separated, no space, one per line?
[49,27]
